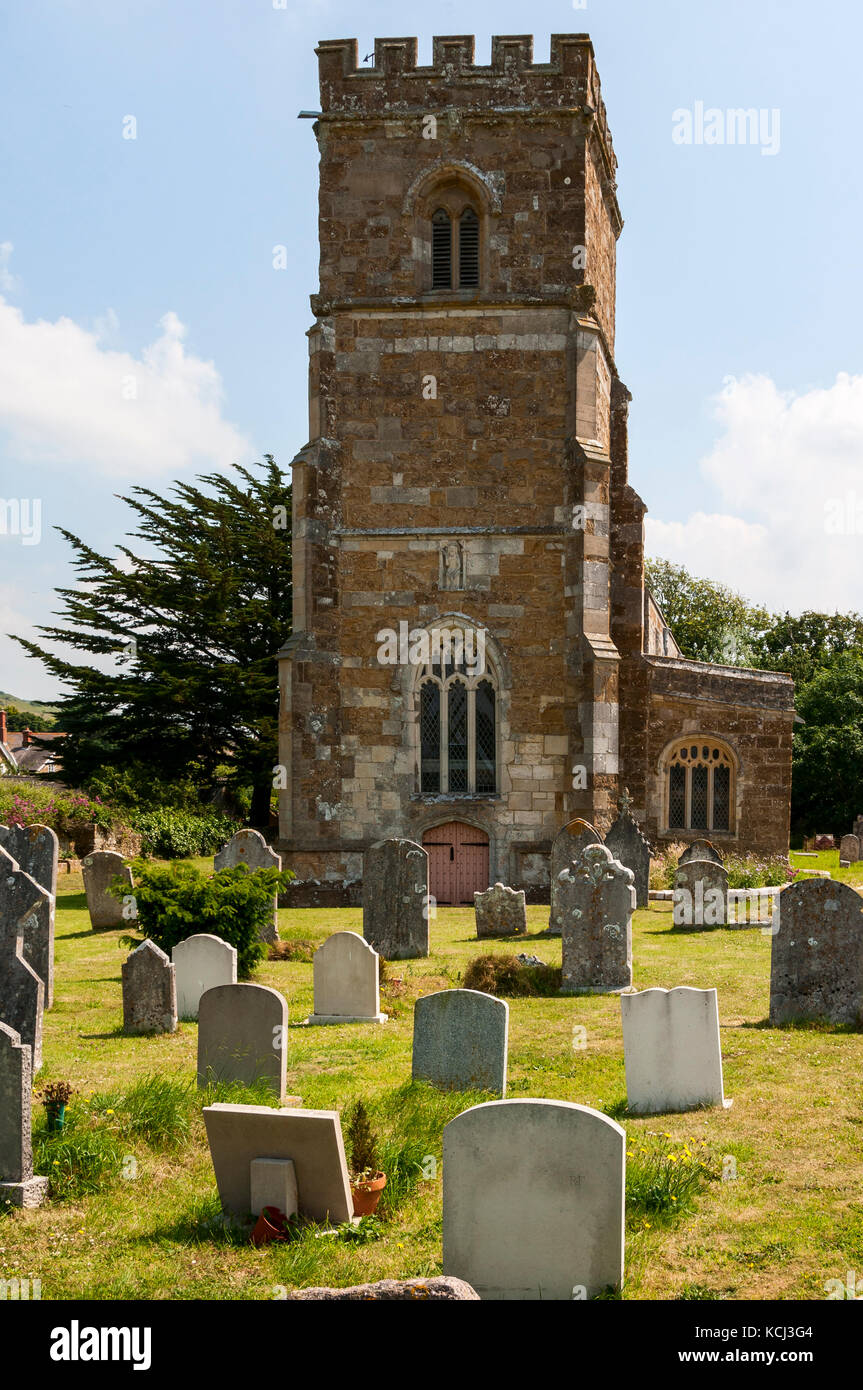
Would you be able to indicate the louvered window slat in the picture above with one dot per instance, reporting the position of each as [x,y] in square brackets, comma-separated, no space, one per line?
[441,250]
[468,247]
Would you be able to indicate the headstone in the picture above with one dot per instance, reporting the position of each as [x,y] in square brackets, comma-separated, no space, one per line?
[816,962]
[347,981]
[17,1183]
[249,847]
[460,1040]
[149,991]
[824,842]
[849,849]
[700,849]
[37,924]
[35,849]
[99,870]
[671,1050]
[567,846]
[243,1036]
[201,962]
[700,897]
[274,1184]
[857,829]
[312,1139]
[500,911]
[395,899]
[533,1194]
[597,900]
[22,992]
[632,850]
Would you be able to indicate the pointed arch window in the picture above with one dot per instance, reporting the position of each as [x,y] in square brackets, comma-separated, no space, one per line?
[458,729]
[456,242]
[700,785]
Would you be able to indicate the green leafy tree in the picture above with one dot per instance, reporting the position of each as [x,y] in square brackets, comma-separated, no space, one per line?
[193,624]
[807,644]
[18,720]
[709,622]
[827,784]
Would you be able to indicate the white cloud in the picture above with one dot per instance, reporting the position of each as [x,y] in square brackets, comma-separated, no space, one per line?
[65,398]
[787,474]
[8,281]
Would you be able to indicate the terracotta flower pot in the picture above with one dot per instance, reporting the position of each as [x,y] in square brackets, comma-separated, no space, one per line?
[270,1225]
[367,1194]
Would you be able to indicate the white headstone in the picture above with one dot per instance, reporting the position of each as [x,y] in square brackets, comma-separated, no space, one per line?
[347,981]
[238,1135]
[201,962]
[533,1200]
[671,1050]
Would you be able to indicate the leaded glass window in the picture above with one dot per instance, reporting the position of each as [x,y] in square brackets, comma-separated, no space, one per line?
[457,729]
[700,787]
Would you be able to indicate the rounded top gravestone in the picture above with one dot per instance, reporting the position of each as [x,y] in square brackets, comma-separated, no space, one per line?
[700,849]
[460,1040]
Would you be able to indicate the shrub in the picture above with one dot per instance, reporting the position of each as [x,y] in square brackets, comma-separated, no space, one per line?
[361,1142]
[744,870]
[509,978]
[176,833]
[61,810]
[175,901]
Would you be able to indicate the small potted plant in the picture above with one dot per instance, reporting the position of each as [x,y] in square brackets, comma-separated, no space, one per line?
[367,1181]
[55,1097]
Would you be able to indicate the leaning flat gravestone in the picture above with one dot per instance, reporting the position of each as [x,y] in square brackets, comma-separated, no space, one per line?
[149,991]
[567,845]
[312,1139]
[243,1036]
[816,962]
[347,981]
[632,850]
[597,900]
[533,1196]
[395,899]
[460,1040]
[671,1050]
[17,1183]
[849,849]
[201,962]
[249,847]
[700,895]
[37,925]
[500,911]
[22,991]
[700,849]
[100,869]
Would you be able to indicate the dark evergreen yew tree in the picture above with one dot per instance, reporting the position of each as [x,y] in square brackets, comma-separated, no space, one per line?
[194,624]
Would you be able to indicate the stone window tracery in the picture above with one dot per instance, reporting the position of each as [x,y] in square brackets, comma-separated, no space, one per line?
[700,785]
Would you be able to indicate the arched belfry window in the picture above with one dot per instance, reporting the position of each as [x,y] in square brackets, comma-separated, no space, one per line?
[700,785]
[458,727]
[456,240]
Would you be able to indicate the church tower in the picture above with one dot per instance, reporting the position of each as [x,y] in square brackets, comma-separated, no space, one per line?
[465,476]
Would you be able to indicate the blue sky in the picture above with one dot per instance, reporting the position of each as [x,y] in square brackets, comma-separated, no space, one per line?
[150,259]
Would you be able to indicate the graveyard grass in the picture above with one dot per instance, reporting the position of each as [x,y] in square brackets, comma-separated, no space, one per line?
[790,1221]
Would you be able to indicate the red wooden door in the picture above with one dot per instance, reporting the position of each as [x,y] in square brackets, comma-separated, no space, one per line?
[458,862]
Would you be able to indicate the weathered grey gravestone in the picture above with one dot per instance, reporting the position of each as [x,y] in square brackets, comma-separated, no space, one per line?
[566,847]
[460,1040]
[347,981]
[671,1049]
[500,911]
[22,992]
[149,991]
[700,849]
[17,1183]
[249,847]
[631,849]
[700,897]
[37,925]
[533,1200]
[857,829]
[243,1036]
[202,962]
[849,849]
[99,869]
[35,849]
[816,961]
[597,900]
[395,899]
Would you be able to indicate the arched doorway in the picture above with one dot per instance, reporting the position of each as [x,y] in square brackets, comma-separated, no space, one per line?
[458,862]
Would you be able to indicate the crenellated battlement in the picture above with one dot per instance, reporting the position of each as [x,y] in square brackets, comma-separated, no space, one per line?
[395,84]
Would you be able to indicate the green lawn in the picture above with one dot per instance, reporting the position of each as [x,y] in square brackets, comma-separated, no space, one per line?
[791,1220]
